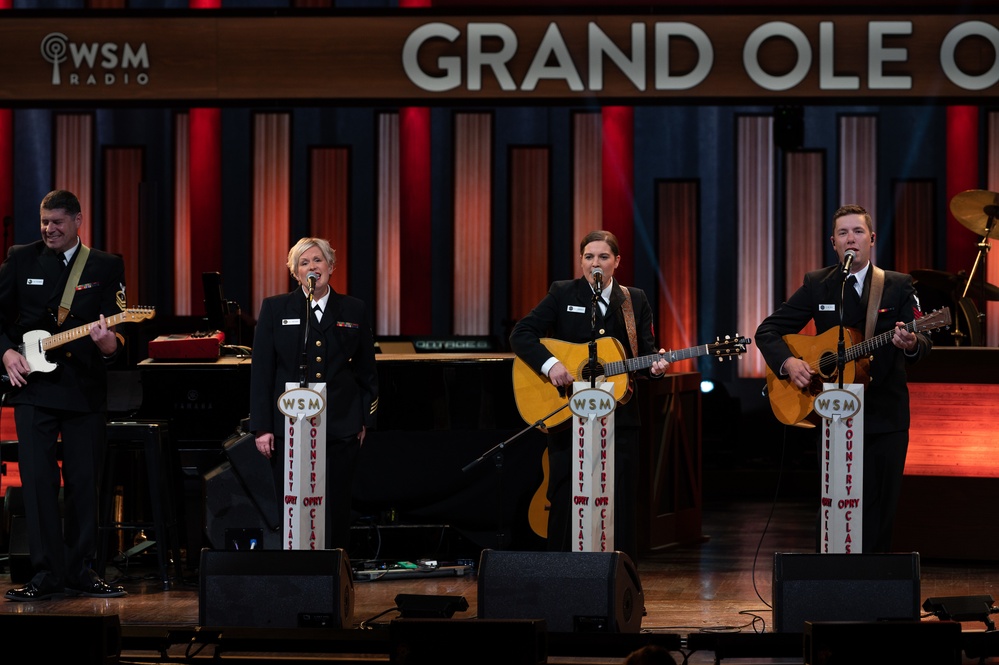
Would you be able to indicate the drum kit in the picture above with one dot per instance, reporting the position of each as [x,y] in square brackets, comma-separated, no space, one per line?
[977,210]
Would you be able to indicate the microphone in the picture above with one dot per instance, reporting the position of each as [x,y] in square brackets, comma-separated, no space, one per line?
[598,276]
[848,258]
[312,277]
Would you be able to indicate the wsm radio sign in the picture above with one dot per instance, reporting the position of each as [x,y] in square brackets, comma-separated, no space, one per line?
[95,63]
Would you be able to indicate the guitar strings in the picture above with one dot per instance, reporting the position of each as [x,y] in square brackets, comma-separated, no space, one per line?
[866,346]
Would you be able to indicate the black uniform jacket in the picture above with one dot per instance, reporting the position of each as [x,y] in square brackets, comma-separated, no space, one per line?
[32,280]
[566,314]
[339,351]
[887,395]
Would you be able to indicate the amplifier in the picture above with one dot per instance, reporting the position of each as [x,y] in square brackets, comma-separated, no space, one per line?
[196,346]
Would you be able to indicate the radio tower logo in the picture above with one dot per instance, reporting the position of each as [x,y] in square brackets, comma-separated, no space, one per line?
[54,49]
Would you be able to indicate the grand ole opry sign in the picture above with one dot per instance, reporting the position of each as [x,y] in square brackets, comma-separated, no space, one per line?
[428,58]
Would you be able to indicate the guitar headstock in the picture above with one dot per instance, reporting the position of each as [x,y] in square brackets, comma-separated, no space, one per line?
[138,314]
[938,318]
[729,346]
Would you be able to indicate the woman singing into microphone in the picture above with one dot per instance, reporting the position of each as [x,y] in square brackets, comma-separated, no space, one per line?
[567,313]
[339,352]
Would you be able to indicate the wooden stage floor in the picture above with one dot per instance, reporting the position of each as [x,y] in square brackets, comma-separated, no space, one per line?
[702,600]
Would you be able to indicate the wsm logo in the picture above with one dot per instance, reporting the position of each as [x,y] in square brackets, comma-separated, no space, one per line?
[96,63]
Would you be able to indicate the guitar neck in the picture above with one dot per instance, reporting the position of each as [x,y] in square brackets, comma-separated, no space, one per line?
[67,336]
[867,346]
[643,362]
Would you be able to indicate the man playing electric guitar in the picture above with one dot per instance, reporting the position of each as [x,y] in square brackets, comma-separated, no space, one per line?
[566,313]
[886,403]
[56,284]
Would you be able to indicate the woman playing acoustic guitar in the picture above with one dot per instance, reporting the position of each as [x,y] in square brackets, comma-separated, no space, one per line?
[567,315]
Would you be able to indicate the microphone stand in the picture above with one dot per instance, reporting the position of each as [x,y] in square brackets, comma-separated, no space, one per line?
[982,257]
[841,344]
[594,307]
[303,368]
[496,452]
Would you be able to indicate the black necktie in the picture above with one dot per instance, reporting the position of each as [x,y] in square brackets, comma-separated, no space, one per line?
[851,290]
[61,257]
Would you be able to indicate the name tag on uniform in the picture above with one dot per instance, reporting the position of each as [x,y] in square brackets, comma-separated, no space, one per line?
[575,310]
[35,282]
[827,307]
[291,322]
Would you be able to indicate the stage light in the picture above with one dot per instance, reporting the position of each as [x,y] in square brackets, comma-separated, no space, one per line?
[962,608]
[707,386]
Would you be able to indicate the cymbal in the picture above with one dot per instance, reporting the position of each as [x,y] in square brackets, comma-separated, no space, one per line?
[974,208]
[951,284]
[938,280]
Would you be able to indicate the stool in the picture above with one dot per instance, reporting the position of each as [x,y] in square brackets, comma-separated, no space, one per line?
[148,439]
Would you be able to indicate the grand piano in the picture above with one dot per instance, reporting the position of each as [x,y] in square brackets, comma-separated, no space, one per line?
[450,448]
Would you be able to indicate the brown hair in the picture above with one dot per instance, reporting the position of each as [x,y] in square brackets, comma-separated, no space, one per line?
[853,209]
[599,236]
[60,199]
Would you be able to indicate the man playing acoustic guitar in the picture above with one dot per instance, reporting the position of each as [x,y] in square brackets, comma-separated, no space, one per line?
[566,313]
[886,398]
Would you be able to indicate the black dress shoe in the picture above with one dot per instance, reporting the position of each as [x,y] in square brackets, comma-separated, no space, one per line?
[31,592]
[97,589]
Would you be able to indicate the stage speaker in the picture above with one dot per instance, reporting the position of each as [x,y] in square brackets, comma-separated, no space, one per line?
[18,552]
[844,587]
[460,642]
[276,589]
[18,556]
[853,643]
[66,638]
[571,591]
[255,473]
[230,507]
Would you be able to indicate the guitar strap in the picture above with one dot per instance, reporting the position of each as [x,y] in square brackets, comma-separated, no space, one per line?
[72,282]
[629,321]
[874,300]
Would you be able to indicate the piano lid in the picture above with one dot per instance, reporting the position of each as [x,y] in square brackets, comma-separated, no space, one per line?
[440,391]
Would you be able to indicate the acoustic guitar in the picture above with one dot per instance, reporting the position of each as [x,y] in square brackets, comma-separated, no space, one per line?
[793,405]
[537,512]
[537,398]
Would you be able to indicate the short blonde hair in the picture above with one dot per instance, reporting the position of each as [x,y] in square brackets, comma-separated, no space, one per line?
[305,244]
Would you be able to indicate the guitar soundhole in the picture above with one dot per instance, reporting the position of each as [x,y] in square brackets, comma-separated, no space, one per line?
[584,371]
[827,369]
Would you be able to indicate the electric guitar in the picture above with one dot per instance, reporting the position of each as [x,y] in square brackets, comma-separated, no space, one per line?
[36,343]
[537,398]
[793,405]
